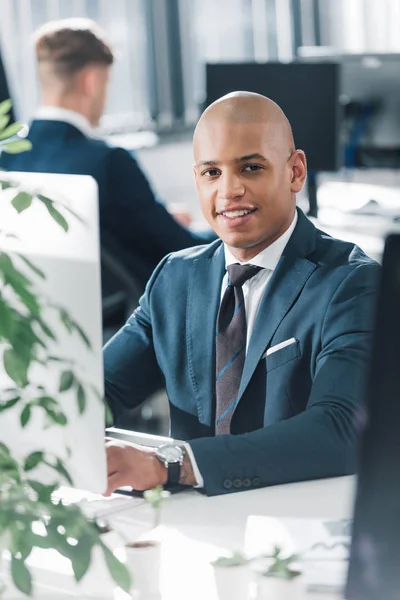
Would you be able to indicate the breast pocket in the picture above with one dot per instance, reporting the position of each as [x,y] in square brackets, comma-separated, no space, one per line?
[282,356]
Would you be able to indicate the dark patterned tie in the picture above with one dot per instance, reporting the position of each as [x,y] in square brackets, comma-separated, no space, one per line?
[231,344]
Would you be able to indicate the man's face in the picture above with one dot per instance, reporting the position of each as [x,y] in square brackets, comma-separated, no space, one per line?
[244,178]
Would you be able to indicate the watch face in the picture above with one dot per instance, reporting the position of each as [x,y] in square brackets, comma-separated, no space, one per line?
[170,453]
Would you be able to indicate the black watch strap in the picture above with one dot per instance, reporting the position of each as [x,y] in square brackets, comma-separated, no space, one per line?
[174,473]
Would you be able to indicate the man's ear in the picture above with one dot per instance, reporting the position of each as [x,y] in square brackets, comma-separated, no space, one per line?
[194,173]
[299,170]
[89,80]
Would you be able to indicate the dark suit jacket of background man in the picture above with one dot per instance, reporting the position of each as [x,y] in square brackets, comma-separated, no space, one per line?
[297,410]
[135,227]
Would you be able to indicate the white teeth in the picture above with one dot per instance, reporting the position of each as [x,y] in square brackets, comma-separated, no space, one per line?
[232,214]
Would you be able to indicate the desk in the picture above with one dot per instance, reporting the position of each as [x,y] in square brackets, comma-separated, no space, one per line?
[195,528]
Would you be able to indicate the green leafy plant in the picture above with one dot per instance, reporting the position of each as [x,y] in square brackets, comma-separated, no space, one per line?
[280,567]
[155,497]
[31,516]
[236,559]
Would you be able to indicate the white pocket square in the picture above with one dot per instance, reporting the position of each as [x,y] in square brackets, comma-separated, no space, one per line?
[278,347]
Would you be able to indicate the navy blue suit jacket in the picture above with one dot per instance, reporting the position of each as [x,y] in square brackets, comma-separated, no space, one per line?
[135,227]
[298,407]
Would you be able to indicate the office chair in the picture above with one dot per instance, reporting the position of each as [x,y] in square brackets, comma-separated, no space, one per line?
[120,293]
[120,296]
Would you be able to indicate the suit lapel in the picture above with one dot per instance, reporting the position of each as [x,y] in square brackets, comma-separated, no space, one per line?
[204,298]
[285,285]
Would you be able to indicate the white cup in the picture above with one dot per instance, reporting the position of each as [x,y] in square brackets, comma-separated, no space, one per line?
[276,588]
[143,559]
[232,582]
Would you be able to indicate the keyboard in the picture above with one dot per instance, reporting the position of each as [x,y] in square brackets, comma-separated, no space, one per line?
[95,506]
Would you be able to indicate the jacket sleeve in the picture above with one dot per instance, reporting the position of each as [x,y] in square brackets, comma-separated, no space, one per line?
[134,214]
[322,440]
[131,371]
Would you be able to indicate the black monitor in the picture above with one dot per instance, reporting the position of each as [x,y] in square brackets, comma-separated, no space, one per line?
[307,92]
[374,571]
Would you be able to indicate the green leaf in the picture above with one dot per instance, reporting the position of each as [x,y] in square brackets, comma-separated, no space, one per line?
[43,492]
[17,281]
[46,402]
[57,417]
[32,460]
[4,119]
[109,417]
[59,467]
[24,339]
[82,335]
[32,266]
[7,184]
[46,330]
[80,557]
[4,449]
[22,288]
[118,571]
[25,415]
[21,201]
[11,130]
[5,106]
[17,146]
[21,576]
[53,212]
[9,404]
[6,321]
[16,367]
[81,396]
[42,541]
[66,381]
[21,536]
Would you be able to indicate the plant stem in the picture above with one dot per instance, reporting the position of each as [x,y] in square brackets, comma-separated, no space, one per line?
[157,515]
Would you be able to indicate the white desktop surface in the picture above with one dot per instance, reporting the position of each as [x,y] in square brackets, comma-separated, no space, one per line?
[195,529]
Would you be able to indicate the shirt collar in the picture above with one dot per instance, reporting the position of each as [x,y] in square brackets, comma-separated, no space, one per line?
[269,257]
[56,113]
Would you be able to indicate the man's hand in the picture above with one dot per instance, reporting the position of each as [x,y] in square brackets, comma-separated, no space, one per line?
[132,465]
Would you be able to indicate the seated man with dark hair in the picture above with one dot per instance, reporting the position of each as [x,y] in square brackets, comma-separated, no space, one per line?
[74,63]
[262,339]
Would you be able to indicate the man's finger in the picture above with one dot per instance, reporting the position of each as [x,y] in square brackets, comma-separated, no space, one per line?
[115,481]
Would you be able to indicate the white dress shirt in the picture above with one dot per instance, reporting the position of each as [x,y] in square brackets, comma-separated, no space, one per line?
[253,291]
[56,113]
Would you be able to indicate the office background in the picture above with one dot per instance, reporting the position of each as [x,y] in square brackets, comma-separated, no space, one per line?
[163,45]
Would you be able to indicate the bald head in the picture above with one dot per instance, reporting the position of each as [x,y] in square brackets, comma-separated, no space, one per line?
[247,171]
[249,108]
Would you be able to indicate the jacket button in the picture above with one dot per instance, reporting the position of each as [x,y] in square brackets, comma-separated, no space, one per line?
[237,483]
[227,484]
[256,481]
[246,482]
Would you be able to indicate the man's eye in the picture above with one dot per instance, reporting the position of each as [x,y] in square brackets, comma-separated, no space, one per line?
[210,172]
[252,168]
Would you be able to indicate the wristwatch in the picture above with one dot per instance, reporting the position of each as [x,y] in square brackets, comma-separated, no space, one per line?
[172,458]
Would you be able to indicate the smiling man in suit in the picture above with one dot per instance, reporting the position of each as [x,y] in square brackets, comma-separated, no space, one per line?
[262,339]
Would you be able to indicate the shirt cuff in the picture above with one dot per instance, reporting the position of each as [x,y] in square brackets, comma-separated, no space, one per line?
[196,470]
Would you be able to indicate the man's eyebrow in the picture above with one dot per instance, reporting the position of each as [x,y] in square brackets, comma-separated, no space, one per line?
[207,163]
[215,163]
[255,156]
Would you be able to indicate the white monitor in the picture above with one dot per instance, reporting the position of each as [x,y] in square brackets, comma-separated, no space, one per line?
[71,265]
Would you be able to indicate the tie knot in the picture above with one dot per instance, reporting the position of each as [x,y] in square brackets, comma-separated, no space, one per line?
[238,274]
